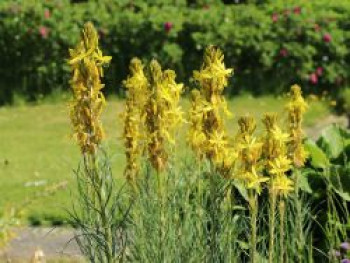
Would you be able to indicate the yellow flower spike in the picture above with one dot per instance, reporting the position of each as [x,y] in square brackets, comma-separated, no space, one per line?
[269,147]
[207,135]
[296,108]
[137,84]
[86,62]
[297,102]
[214,75]
[196,136]
[163,113]
[275,154]
[137,87]
[249,154]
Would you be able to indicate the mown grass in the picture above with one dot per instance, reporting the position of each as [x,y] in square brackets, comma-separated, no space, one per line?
[36,149]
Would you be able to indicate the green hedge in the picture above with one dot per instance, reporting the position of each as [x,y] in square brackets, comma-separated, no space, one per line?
[270,45]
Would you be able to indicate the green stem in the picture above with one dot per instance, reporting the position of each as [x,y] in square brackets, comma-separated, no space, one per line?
[272,213]
[253,204]
[300,236]
[96,191]
[282,213]
[162,214]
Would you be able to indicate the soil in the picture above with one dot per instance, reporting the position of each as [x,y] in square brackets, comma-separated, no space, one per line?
[57,244]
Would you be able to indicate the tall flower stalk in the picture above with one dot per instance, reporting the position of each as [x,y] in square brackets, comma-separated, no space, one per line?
[277,165]
[96,220]
[207,134]
[269,147]
[296,109]
[249,172]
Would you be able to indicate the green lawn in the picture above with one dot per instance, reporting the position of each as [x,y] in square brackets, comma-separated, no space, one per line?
[36,150]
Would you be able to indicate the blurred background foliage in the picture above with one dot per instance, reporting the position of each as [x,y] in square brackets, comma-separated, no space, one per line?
[271,44]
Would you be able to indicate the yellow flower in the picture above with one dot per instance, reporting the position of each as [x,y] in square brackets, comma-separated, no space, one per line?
[250,149]
[280,165]
[214,75]
[86,62]
[296,108]
[137,91]
[163,113]
[253,180]
[216,146]
[297,102]
[207,133]
[280,136]
[282,185]
[250,155]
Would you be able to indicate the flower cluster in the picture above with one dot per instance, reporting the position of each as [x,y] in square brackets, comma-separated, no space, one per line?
[137,88]
[207,134]
[276,156]
[163,113]
[86,62]
[249,153]
[296,108]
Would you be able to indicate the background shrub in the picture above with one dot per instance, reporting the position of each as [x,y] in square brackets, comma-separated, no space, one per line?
[271,44]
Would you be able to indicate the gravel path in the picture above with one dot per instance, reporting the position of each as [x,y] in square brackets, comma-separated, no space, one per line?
[315,131]
[53,242]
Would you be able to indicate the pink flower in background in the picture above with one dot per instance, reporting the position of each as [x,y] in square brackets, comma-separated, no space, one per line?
[319,71]
[44,31]
[297,10]
[327,38]
[283,52]
[313,78]
[47,13]
[274,17]
[168,26]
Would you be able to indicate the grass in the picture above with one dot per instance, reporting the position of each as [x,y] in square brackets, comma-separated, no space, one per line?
[37,151]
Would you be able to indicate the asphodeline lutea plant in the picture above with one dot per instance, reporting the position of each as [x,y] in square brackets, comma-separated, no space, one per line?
[277,164]
[95,217]
[250,173]
[206,118]
[134,136]
[296,109]
[163,114]
[86,62]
